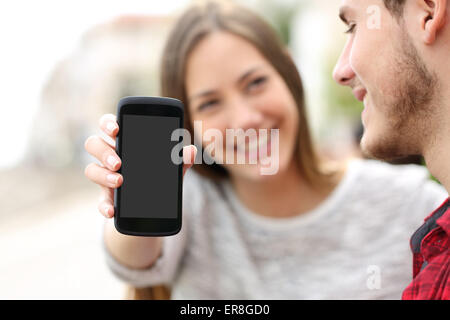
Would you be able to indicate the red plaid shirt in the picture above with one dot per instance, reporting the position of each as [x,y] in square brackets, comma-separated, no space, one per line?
[430,245]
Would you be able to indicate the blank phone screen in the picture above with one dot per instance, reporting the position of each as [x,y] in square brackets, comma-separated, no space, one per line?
[150,178]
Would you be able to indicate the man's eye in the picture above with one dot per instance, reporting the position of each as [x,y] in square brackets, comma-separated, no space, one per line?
[351,29]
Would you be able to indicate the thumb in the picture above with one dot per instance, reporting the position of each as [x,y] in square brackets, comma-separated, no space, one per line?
[189,154]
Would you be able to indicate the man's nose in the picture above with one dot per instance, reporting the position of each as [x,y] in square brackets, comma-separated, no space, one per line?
[343,72]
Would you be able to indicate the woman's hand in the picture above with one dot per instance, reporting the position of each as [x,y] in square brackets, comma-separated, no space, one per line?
[105,175]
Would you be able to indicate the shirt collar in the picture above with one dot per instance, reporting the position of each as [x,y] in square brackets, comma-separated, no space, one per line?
[444,220]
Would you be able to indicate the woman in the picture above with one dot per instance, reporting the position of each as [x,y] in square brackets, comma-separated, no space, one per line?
[306,232]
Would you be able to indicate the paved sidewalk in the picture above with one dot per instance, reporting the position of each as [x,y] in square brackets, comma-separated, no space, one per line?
[53,251]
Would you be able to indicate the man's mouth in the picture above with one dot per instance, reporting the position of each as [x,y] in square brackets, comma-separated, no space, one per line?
[359,93]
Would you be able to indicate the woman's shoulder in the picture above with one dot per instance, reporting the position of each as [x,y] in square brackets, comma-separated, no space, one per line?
[383,177]
[386,183]
[376,170]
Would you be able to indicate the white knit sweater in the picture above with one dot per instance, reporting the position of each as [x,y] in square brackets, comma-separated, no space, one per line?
[354,245]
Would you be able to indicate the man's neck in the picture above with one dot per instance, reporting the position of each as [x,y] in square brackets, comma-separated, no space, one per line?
[437,157]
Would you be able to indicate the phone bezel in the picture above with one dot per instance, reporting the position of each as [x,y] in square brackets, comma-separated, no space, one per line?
[148,106]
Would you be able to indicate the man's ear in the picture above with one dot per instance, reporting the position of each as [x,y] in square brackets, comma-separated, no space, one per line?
[433,19]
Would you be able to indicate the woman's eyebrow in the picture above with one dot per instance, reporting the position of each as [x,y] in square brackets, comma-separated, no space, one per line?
[202,94]
[246,74]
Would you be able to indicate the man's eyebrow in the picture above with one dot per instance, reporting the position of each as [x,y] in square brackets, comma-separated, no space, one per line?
[343,11]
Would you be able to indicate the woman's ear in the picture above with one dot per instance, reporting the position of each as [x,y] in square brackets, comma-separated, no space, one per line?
[434,18]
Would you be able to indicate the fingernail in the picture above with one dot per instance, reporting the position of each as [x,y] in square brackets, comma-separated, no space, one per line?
[110,127]
[112,178]
[112,161]
[106,211]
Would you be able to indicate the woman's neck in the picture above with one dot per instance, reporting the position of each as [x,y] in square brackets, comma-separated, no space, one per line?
[285,194]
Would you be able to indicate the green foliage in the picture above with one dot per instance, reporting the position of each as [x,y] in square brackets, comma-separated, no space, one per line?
[340,100]
[280,17]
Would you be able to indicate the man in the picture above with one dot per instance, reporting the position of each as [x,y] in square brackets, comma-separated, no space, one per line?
[397,61]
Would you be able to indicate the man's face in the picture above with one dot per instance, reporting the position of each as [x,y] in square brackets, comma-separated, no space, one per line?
[382,66]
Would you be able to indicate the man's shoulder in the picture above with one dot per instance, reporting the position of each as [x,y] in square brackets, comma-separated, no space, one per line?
[433,281]
[444,220]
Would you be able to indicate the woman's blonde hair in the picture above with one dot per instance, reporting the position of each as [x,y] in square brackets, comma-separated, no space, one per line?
[203,19]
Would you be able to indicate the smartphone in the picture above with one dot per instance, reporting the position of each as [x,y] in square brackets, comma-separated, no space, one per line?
[149,202]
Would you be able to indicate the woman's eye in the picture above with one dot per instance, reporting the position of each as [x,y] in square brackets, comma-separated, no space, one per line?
[207,104]
[351,28]
[257,82]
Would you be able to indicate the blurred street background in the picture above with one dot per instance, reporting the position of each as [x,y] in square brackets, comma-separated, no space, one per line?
[65,63]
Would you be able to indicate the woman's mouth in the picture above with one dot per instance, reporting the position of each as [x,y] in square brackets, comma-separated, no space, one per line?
[260,144]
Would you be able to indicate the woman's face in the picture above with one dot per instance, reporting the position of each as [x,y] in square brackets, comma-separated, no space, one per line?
[230,85]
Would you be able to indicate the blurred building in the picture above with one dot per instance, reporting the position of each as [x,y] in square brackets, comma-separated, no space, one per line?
[112,60]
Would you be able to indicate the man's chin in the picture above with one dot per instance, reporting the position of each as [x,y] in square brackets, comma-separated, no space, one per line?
[381,149]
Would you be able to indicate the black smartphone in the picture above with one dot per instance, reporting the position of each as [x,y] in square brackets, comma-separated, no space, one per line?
[149,202]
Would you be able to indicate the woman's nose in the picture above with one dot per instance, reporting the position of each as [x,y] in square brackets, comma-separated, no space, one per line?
[245,116]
